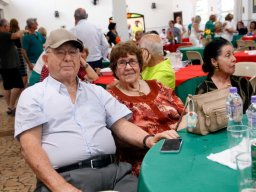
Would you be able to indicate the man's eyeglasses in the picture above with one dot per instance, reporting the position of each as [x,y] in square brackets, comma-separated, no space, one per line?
[61,53]
[123,63]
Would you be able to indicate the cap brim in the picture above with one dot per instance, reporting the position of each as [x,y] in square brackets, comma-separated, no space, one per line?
[75,42]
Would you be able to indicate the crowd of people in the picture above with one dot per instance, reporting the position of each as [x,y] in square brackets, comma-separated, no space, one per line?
[77,136]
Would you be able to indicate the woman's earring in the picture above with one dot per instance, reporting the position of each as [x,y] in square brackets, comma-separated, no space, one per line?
[217,67]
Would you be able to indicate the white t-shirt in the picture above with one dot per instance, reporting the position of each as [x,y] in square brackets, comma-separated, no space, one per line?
[180,27]
[225,34]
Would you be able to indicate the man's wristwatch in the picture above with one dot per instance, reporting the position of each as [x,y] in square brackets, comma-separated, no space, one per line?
[145,140]
[86,65]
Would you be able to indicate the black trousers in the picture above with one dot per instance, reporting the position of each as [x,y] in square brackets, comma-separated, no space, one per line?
[116,176]
[96,64]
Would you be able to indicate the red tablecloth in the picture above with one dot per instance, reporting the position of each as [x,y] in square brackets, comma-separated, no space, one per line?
[104,80]
[174,47]
[182,75]
[246,38]
[186,39]
[242,56]
[188,72]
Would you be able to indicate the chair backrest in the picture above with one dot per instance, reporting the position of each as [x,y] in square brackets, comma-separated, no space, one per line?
[250,44]
[253,83]
[241,45]
[194,55]
[247,69]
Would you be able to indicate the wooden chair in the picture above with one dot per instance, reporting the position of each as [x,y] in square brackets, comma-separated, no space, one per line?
[241,46]
[194,55]
[250,44]
[247,69]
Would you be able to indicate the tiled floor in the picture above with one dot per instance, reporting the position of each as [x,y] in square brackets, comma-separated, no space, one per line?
[15,174]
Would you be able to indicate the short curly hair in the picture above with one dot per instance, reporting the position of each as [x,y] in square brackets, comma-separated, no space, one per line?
[122,50]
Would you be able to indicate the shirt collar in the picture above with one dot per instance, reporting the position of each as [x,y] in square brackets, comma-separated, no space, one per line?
[58,85]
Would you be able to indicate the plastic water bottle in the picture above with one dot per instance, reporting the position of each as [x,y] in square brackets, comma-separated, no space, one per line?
[251,118]
[179,56]
[234,105]
[251,113]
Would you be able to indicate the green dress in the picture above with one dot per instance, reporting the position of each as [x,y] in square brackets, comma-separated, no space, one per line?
[210,25]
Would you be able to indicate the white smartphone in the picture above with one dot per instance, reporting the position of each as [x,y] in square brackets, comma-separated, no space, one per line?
[171,145]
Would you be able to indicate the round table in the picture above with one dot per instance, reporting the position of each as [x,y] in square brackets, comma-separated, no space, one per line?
[174,47]
[246,38]
[188,170]
[187,73]
[243,56]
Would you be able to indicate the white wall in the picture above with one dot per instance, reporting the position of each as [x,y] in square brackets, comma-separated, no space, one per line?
[43,10]
[155,19]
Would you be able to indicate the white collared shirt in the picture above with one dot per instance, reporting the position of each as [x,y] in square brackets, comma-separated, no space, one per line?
[92,38]
[71,131]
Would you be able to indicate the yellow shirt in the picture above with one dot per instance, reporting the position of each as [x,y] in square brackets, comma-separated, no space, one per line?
[162,72]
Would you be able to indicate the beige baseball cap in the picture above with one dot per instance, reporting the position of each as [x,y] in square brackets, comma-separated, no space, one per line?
[60,36]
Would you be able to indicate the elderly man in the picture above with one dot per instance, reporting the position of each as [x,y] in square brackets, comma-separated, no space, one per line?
[155,65]
[9,62]
[64,127]
[92,37]
[32,43]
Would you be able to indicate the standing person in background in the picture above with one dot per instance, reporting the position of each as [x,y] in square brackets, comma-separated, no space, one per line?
[228,29]
[195,31]
[9,66]
[14,27]
[112,34]
[163,36]
[138,36]
[218,29]
[43,32]
[92,37]
[210,25]
[180,26]
[136,27]
[173,33]
[32,43]
[190,26]
[130,31]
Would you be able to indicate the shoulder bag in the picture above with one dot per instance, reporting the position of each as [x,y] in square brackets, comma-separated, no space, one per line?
[209,109]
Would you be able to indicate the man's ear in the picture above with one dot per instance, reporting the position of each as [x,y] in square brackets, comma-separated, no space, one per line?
[45,59]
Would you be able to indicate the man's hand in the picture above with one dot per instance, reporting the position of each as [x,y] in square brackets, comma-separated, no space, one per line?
[170,134]
[67,188]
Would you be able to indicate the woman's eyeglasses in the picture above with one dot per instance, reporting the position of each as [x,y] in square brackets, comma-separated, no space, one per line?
[123,63]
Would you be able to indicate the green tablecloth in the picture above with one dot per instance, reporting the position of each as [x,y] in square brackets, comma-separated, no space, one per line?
[188,170]
[188,87]
[105,63]
[183,50]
